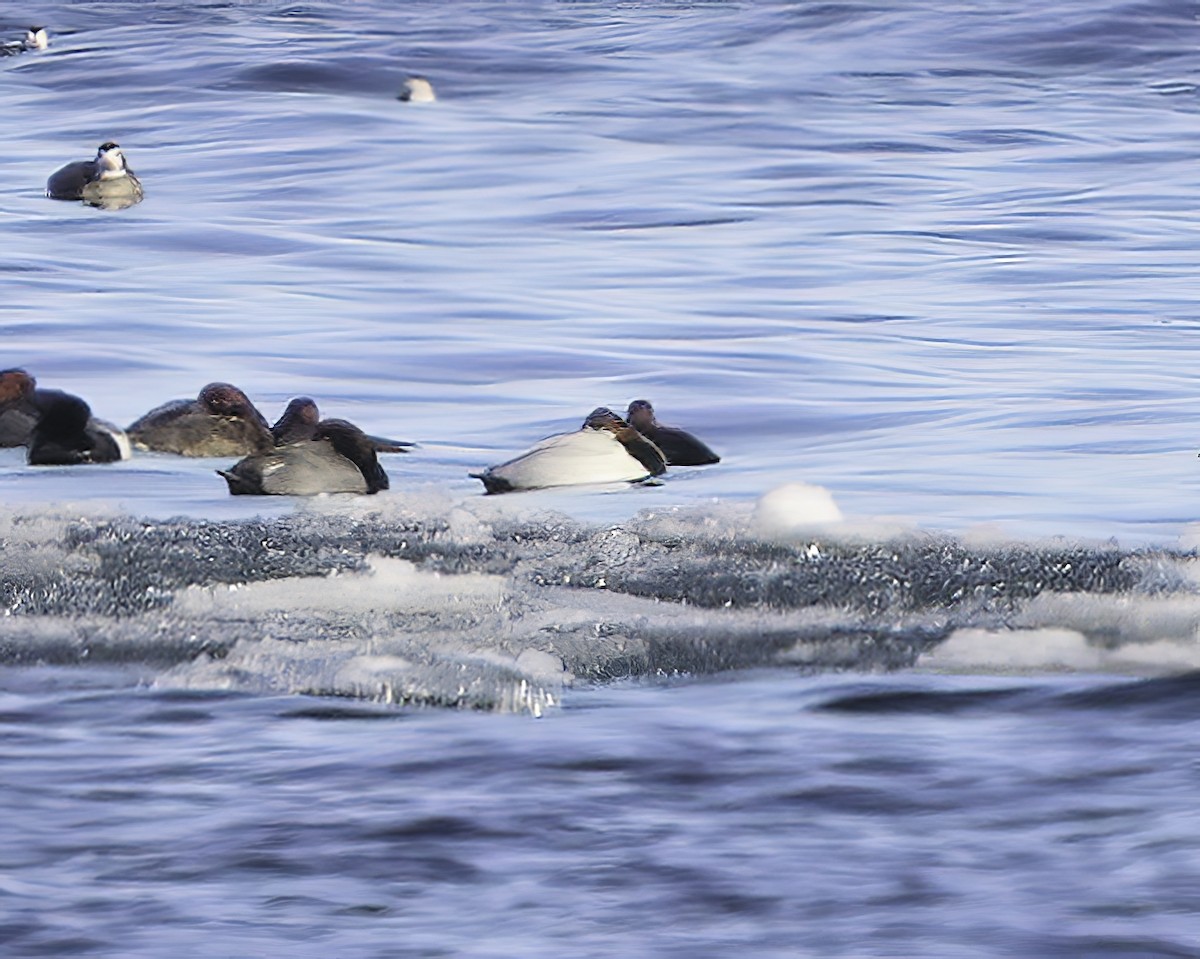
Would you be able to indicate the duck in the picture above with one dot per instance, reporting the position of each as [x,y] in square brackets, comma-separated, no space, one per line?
[416,89]
[66,433]
[35,38]
[299,421]
[106,181]
[18,415]
[310,458]
[221,421]
[680,447]
[606,449]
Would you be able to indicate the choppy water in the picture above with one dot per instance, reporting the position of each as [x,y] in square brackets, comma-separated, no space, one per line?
[938,261]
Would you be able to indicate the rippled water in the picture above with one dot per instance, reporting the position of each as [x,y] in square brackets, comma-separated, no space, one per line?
[936,259]
[835,819]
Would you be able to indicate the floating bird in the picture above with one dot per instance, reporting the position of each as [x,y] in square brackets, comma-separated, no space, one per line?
[221,421]
[417,89]
[605,449]
[680,447]
[329,456]
[17,412]
[35,38]
[66,433]
[107,181]
[299,421]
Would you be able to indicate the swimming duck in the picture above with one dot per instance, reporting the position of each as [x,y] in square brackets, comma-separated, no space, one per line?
[17,412]
[605,449]
[221,421]
[679,447]
[299,422]
[417,89]
[66,433]
[329,456]
[35,38]
[105,181]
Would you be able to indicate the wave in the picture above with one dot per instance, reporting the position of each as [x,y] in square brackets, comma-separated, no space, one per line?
[1166,698]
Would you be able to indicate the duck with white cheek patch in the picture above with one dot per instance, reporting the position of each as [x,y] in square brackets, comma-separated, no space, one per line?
[106,181]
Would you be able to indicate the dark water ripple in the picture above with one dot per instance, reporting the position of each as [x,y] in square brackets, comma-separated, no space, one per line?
[700,824]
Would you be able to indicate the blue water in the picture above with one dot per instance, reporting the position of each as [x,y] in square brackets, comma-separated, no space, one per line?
[937,260]
[829,820]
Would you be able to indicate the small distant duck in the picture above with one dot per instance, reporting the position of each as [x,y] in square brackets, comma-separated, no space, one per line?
[299,422]
[107,181]
[605,449]
[18,415]
[312,457]
[221,421]
[417,89]
[679,447]
[35,38]
[66,433]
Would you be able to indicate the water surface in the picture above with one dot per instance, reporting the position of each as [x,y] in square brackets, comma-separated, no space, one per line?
[938,261]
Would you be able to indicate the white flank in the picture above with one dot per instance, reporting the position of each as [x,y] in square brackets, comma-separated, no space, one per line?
[571,459]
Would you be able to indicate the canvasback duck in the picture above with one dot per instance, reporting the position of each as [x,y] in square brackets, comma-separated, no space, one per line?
[605,449]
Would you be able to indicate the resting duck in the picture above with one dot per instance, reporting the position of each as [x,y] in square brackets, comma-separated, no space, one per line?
[312,457]
[679,447]
[66,433]
[18,415]
[105,181]
[221,421]
[605,449]
[299,421]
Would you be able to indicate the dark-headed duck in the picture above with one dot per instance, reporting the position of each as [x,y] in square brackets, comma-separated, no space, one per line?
[105,181]
[17,412]
[221,421]
[680,447]
[299,421]
[332,456]
[66,433]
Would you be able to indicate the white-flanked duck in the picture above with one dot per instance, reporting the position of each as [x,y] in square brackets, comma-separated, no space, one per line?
[106,181]
[66,433]
[311,457]
[680,447]
[221,421]
[605,449]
